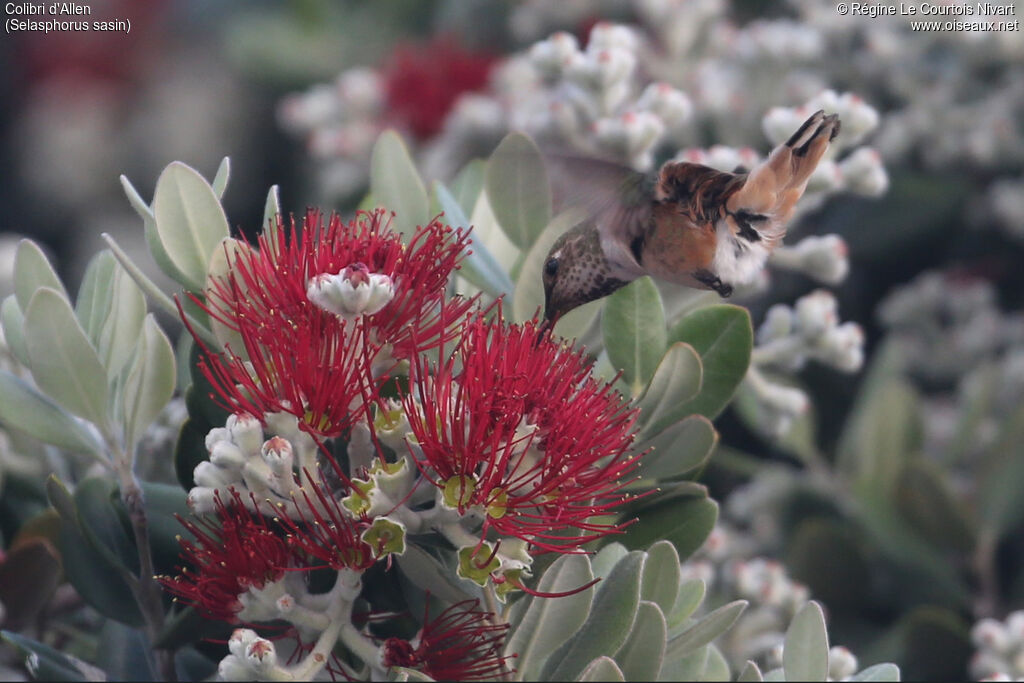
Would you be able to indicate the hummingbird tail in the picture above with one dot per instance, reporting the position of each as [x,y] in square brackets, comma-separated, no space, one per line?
[774,186]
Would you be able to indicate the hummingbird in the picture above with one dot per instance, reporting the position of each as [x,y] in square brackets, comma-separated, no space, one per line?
[687,223]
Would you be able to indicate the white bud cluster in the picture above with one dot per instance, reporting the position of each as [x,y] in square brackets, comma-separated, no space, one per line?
[251,657]
[946,325]
[241,459]
[1006,199]
[351,293]
[822,257]
[999,648]
[766,582]
[811,330]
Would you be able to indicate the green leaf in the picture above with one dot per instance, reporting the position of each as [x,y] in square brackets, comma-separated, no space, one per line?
[878,673]
[100,521]
[634,331]
[156,249]
[661,576]
[124,653]
[12,321]
[675,382]
[149,384]
[805,650]
[164,503]
[271,210]
[685,522]
[27,410]
[468,184]
[427,573]
[46,664]
[396,185]
[716,669]
[529,294]
[641,655]
[611,619]
[691,595]
[119,332]
[190,222]
[925,498]
[64,363]
[605,560]
[222,262]
[516,183]
[688,668]
[549,622]
[603,669]
[707,629]
[95,295]
[1000,504]
[479,266]
[723,337]
[749,672]
[680,448]
[32,271]
[220,181]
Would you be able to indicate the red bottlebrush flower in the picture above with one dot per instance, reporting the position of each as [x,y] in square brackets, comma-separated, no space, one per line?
[460,645]
[238,551]
[525,433]
[319,526]
[422,83]
[316,308]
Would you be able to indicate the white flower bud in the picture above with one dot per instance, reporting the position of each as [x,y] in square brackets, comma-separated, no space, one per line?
[257,475]
[201,500]
[240,640]
[553,55]
[990,634]
[822,257]
[815,313]
[671,104]
[842,347]
[864,173]
[780,123]
[261,656]
[841,663]
[859,118]
[209,475]
[778,323]
[360,90]
[277,454]
[826,177]
[228,456]
[234,668]
[246,431]
[216,435]
[605,35]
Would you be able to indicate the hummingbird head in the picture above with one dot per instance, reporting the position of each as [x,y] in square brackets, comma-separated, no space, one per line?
[576,271]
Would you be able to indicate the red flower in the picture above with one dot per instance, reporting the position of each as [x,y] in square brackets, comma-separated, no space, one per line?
[238,551]
[460,645]
[525,433]
[320,527]
[422,83]
[314,362]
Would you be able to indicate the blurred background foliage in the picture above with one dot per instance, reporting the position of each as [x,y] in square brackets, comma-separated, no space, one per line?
[895,500]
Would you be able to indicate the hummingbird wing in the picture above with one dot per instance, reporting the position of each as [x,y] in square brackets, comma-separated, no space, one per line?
[617,198]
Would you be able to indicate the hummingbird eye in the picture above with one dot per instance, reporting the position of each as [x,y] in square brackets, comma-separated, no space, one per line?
[551,267]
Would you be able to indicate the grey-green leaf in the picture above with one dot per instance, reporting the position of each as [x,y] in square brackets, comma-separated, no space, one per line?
[47,664]
[12,320]
[27,410]
[64,363]
[878,672]
[32,270]
[516,182]
[94,294]
[723,337]
[150,381]
[603,669]
[478,266]
[661,576]
[676,380]
[634,331]
[468,184]
[190,221]
[610,621]
[120,330]
[641,655]
[549,622]
[805,649]
[707,629]
[605,560]
[220,181]
[680,448]
[396,185]
[750,673]
[690,596]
